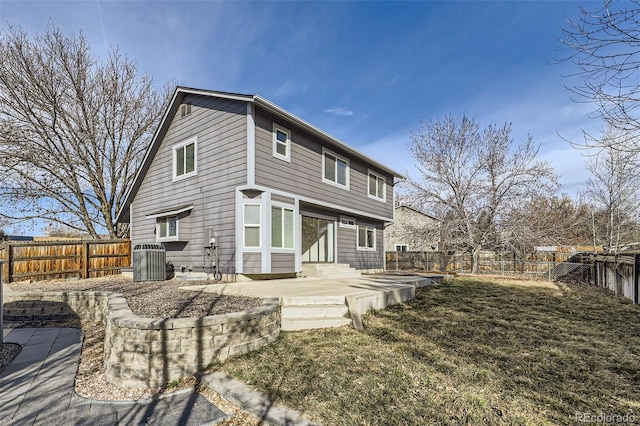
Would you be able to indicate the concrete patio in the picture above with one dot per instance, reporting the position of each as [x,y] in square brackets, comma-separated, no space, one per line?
[310,302]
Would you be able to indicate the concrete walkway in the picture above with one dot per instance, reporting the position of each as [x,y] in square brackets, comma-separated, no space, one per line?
[37,389]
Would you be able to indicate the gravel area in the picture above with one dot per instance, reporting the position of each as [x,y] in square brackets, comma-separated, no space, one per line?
[8,351]
[154,299]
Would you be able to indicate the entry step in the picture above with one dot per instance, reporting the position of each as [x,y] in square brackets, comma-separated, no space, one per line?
[313,311]
[330,270]
[294,324]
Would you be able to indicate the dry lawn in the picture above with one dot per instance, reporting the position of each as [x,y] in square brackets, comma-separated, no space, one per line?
[469,351]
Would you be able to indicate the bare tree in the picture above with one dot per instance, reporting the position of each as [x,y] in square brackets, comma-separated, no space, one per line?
[72,130]
[604,45]
[613,189]
[547,220]
[472,179]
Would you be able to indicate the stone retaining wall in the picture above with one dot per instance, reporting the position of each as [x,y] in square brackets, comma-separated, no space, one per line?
[56,306]
[144,352]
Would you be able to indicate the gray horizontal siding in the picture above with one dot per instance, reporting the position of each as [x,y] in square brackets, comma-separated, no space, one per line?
[220,126]
[360,259]
[303,176]
[252,263]
[283,263]
[281,199]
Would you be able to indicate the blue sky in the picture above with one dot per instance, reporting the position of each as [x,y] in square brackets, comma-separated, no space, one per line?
[365,72]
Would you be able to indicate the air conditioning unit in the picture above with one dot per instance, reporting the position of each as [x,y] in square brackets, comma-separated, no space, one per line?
[149,262]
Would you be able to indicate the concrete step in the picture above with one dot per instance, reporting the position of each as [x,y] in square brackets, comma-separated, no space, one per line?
[191,276]
[293,324]
[314,311]
[330,270]
[324,266]
[341,275]
[313,300]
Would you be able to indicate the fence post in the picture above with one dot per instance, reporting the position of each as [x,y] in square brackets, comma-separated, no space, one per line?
[85,260]
[1,305]
[636,271]
[396,253]
[9,261]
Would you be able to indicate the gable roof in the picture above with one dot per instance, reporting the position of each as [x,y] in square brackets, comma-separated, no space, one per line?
[176,100]
[405,206]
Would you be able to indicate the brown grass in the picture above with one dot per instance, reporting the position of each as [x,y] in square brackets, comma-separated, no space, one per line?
[471,350]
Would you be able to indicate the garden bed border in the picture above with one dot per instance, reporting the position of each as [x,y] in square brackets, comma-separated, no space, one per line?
[147,352]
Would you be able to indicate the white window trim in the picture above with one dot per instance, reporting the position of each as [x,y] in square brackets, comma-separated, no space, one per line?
[384,188]
[193,140]
[395,247]
[251,225]
[348,225]
[293,210]
[170,238]
[348,173]
[375,231]
[185,109]
[276,154]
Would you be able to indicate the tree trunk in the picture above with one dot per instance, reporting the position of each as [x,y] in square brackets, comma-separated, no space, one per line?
[475,260]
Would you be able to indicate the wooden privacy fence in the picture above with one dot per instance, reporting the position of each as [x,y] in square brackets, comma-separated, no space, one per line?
[619,273]
[36,260]
[489,262]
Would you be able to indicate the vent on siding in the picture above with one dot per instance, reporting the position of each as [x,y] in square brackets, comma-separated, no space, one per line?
[185,109]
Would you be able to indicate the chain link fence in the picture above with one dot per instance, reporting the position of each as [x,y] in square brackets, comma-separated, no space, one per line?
[549,266]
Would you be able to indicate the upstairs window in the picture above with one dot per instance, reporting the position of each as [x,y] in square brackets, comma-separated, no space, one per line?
[184,159]
[366,238]
[281,143]
[402,247]
[335,169]
[377,186]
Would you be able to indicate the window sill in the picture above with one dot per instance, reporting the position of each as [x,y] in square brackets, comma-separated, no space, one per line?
[169,240]
[184,176]
[382,200]
[337,185]
[282,157]
[282,250]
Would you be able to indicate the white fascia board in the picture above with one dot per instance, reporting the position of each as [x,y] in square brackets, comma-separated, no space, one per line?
[154,140]
[222,95]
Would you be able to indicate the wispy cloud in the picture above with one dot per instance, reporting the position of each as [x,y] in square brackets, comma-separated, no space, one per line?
[343,112]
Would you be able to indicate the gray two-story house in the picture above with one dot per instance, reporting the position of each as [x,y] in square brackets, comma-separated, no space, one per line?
[270,190]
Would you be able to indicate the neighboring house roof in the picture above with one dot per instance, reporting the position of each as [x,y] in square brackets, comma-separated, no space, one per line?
[403,206]
[181,92]
[19,238]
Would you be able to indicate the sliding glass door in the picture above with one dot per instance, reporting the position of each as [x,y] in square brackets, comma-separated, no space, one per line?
[318,240]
